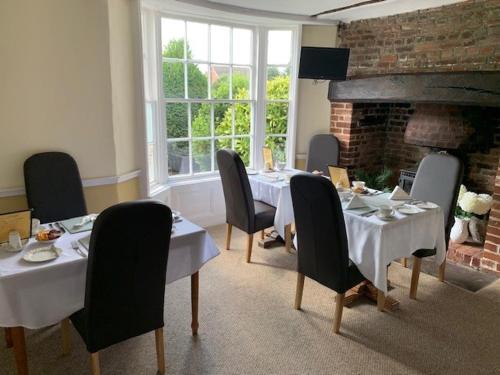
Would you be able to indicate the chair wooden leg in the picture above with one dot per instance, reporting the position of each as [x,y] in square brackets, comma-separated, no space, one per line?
[8,337]
[195,286]
[160,350]
[299,290]
[262,234]
[380,300]
[66,336]
[19,344]
[404,262]
[229,229]
[249,247]
[94,360]
[288,237]
[415,274]
[339,307]
[442,268]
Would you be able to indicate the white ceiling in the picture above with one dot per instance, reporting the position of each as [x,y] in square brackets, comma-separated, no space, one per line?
[303,9]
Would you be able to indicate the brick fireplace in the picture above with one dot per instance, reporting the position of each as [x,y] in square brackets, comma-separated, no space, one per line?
[463,37]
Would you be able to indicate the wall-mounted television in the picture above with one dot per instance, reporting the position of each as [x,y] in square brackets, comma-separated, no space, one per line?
[324,63]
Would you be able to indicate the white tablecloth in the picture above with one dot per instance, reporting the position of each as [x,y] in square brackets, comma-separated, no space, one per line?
[38,295]
[276,194]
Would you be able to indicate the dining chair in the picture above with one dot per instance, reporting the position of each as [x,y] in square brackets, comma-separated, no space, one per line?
[242,211]
[126,274]
[322,240]
[437,180]
[324,150]
[54,187]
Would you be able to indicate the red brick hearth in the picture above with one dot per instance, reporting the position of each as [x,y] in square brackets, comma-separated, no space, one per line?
[457,38]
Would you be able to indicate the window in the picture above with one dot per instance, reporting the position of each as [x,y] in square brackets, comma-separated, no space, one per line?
[203,93]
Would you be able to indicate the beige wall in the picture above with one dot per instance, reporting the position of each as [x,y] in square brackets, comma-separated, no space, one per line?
[69,82]
[313,114]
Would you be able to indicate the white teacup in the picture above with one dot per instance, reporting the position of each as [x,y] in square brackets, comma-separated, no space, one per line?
[15,240]
[35,226]
[385,211]
[358,184]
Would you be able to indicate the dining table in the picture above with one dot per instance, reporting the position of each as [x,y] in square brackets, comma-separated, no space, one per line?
[37,295]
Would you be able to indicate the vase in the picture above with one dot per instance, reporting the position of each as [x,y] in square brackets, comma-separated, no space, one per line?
[477,229]
[460,231]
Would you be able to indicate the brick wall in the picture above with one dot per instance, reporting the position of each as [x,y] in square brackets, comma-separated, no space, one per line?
[491,254]
[458,37]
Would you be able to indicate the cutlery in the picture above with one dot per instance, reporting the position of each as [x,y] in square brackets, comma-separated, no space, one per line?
[59,226]
[369,213]
[74,245]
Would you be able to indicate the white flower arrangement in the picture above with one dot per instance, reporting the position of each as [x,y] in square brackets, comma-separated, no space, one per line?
[472,203]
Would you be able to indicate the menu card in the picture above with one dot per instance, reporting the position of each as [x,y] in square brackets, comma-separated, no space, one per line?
[19,221]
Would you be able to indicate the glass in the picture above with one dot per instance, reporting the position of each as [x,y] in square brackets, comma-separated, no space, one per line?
[276,118]
[242,147]
[202,156]
[241,82]
[200,120]
[278,82]
[242,46]
[173,79]
[219,43]
[223,119]
[242,116]
[279,45]
[221,144]
[197,41]
[176,115]
[278,147]
[197,81]
[219,78]
[178,158]
[172,38]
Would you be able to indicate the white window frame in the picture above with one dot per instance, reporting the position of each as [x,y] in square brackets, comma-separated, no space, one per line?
[257,100]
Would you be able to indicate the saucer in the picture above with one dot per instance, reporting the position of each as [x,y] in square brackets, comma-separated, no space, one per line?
[427,205]
[408,210]
[6,246]
[385,218]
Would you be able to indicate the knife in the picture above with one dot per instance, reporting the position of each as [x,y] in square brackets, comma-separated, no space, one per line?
[60,227]
[368,213]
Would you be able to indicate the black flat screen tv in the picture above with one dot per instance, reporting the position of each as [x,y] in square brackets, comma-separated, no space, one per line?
[324,63]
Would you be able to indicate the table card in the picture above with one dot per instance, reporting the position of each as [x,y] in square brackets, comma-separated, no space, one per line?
[339,176]
[19,221]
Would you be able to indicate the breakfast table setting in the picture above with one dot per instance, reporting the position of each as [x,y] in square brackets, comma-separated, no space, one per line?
[42,282]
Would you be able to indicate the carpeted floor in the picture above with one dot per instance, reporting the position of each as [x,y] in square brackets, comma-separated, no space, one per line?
[248,326]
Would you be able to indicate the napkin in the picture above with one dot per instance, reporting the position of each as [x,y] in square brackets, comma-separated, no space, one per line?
[355,202]
[399,194]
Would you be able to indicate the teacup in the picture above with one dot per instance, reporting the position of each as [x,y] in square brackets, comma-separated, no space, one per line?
[358,184]
[385,211]
[35,226]
[15,240]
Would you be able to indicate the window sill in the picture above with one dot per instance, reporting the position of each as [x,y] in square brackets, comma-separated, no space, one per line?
[158,189]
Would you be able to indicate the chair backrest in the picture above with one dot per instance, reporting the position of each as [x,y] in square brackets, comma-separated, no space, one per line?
[324,150]
[54,187]
[438,180]
[322,239]
[126,272]
[240,209]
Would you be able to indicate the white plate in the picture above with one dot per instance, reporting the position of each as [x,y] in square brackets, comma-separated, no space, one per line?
[6,246]
[385,218]
[408,210]
[251,172]
[42,254]
[427,205]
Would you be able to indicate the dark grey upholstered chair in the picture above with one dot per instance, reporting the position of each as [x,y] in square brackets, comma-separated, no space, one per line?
[438,180]
[323,151]
[126,274]
[54,187]
[322,239]
[242,210]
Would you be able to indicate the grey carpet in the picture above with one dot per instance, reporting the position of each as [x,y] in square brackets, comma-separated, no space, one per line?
[248,326]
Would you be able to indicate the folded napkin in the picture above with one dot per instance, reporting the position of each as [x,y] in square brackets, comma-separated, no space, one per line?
[355,202]
[399,194]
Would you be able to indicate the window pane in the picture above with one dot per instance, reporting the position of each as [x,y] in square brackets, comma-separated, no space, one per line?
[278,146]
[202,156]
[197,81]
[177,120]
[242,118]
[219,76]
[242,46]
[221,144]
[178,158]
[223,119]
[173,79]
[219,42]
[200,120]
[172,38]
[279,44]
[242,147]
[276,118]
[278,82]
[241,82]
[150,141]
[197,41]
